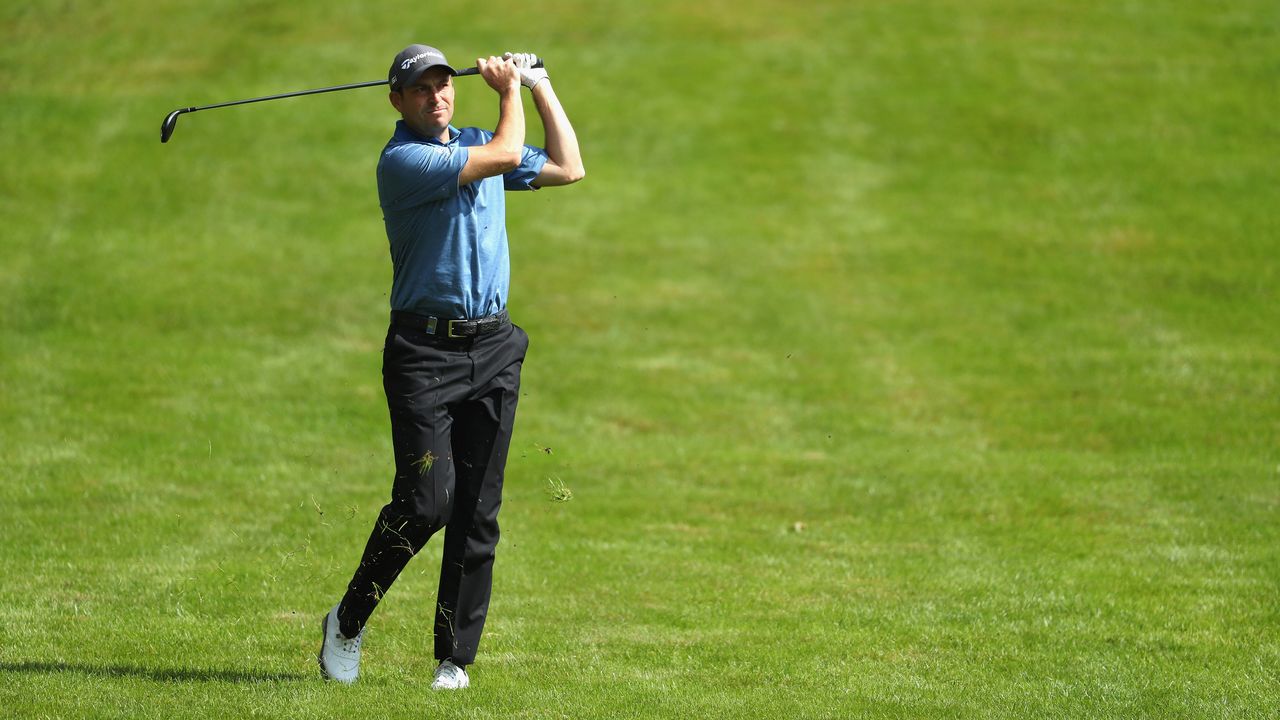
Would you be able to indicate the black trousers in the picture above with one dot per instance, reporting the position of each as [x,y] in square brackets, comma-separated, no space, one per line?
[453,405]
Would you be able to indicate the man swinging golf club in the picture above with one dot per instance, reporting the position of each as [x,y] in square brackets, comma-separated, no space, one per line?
[452,357]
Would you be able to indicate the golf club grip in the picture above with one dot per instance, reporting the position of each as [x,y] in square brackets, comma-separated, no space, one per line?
[476,71]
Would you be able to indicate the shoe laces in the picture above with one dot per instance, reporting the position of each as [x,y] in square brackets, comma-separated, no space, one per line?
[449,671]
[351,645]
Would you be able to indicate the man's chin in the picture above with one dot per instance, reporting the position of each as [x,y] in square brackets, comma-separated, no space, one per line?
[431,130]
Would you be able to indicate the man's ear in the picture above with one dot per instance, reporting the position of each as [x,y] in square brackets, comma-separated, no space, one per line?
[395,98]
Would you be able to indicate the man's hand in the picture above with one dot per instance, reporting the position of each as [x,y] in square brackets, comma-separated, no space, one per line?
[500,73]
[529,75]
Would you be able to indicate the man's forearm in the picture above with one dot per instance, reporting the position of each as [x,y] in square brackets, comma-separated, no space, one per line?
[504,150]
[561,140]
[509,134]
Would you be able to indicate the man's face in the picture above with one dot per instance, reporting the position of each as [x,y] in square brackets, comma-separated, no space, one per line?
[427,104]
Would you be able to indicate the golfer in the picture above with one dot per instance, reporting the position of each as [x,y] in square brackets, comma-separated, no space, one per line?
[452,357]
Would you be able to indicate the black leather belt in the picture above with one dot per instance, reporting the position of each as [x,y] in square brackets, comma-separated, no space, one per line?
[450,328]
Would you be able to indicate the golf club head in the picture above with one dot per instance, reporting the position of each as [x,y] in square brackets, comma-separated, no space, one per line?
[170,122]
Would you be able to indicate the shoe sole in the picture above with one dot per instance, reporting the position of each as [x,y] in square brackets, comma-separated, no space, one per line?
[434,688]
[324,635]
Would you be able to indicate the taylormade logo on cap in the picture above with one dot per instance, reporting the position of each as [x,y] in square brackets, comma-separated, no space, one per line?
[414,60]
[405,65]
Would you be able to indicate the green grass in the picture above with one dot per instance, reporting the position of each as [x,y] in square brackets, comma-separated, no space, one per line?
[900,358]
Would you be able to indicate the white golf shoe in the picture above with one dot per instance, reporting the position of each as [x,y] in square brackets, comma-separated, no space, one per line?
[450,677]
[339,654]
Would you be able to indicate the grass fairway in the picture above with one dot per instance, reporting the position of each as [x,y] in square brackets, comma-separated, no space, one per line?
[904,358]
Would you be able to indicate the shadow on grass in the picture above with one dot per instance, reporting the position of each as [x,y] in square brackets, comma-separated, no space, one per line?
[157,674]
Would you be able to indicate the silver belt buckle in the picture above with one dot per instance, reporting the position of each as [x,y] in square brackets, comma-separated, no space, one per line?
[451,333]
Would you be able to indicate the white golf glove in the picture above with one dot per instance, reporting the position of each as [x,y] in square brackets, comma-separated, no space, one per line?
[529,75]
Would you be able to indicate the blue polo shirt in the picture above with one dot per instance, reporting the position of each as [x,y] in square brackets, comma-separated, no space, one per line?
[448,243]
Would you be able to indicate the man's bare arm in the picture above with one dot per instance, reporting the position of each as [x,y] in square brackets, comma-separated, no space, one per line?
[503,152]
[564,158]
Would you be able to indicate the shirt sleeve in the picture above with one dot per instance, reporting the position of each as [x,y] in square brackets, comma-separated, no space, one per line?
[531,162]
[417,173]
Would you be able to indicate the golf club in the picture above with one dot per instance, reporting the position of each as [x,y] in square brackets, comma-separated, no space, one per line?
[171,120]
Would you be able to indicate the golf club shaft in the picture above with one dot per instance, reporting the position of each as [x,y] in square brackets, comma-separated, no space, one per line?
[171,120]
[317,91]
